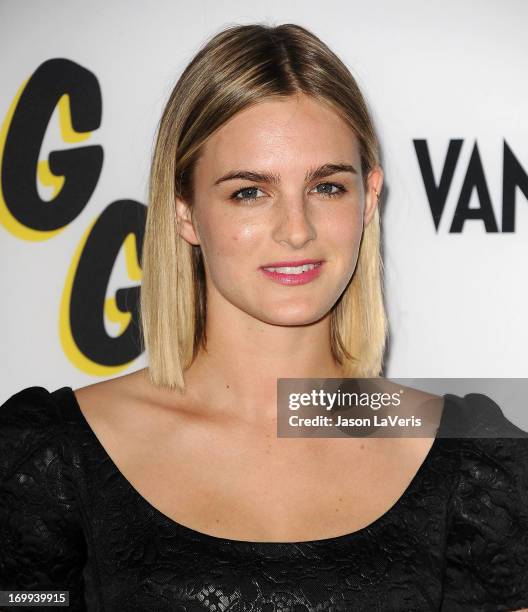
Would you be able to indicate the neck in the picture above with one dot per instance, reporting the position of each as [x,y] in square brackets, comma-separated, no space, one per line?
[237,374]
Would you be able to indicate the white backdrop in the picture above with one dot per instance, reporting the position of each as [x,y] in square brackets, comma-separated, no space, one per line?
[435,71]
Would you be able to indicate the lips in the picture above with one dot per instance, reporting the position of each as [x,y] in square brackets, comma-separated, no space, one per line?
[287,277]
[291,264]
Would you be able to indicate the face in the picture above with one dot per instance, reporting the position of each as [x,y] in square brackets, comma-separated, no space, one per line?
[278,184]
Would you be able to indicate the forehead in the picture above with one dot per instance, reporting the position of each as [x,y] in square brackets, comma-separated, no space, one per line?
[292,132]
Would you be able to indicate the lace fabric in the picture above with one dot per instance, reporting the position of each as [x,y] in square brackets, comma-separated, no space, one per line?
[457,538]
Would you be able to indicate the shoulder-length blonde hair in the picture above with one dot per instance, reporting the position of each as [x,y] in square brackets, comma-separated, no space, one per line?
[241,66]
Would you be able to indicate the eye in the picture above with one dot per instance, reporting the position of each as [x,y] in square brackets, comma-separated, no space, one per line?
[327,192]
[247,194]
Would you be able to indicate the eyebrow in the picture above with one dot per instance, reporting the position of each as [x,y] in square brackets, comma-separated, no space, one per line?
[266,177]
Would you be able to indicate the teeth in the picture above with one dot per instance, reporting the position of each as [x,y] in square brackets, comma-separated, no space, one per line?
[291,270]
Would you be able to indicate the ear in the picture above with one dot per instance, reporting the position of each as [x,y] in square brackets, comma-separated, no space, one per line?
[374,185]
[184,225]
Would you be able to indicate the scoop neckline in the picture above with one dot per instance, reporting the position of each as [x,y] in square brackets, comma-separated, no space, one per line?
[269,545]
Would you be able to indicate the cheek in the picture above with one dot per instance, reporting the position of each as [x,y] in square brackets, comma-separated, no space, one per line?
[350,235]
[344,229]
[237,242]
[227,246]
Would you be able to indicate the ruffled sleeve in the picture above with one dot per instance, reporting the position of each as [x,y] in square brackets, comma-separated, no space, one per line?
[42,543]
[486,561]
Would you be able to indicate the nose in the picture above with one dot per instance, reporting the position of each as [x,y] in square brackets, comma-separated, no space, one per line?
[292,225]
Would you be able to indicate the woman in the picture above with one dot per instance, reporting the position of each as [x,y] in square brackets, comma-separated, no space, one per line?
[168,488]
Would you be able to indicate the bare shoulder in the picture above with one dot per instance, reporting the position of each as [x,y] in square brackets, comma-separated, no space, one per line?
[413,394]
[127,385]
[418,404]
[127,403]
[108,395]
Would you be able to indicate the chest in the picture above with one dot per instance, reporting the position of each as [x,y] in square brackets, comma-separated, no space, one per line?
[265,489]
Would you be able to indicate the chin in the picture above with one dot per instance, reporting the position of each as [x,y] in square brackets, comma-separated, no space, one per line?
[292,316]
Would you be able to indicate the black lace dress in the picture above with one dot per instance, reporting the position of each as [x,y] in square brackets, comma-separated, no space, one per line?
[457,539]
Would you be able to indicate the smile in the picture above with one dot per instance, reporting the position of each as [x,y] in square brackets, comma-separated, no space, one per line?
[293,275]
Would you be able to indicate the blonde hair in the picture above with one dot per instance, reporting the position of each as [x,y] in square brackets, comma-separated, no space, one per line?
[241,66]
